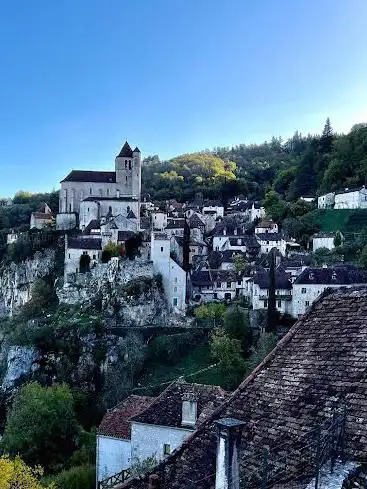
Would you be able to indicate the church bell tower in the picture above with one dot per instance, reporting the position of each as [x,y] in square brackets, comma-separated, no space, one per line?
[128,171]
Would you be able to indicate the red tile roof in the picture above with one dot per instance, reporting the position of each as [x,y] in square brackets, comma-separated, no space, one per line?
[116,421]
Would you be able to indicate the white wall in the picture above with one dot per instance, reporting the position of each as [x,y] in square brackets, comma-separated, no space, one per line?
[174,277]
[113,456]
[323,242]
[268,245]
[326,201]
[72,259]
[159,220]
[148,440]
[283,305]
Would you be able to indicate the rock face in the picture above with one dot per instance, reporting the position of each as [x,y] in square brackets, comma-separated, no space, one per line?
[16,280]
[130,294]
[20,363]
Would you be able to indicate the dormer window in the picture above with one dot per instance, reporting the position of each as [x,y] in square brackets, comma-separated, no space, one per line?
[311,276]
[333,276]
[235,232]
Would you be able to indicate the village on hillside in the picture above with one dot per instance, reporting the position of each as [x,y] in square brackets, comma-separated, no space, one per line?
[206,252]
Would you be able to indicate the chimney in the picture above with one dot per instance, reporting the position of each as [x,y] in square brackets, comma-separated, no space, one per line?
[189,409]
[227,474]
[153,481]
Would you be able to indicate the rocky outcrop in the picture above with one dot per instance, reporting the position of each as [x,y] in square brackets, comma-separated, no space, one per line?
[16,280]
[21,361]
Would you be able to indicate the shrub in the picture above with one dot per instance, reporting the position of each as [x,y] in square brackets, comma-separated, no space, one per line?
[111,250]
[80,477]
[42,425]
[16,474]
[212,310]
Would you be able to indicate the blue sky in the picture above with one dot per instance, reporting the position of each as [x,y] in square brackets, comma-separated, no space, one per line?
[77,77]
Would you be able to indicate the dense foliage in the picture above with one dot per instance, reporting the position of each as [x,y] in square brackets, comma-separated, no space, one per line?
[42,425]
[16,474]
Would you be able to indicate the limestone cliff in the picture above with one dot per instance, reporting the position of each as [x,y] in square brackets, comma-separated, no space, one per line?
[16,280]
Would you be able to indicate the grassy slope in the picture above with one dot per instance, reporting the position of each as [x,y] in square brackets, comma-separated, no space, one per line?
[195,359]
[344,220]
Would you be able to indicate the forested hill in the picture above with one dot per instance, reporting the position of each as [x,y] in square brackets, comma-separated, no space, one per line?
[300,166]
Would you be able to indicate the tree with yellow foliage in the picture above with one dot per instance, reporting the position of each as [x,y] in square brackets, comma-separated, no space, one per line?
[15,473]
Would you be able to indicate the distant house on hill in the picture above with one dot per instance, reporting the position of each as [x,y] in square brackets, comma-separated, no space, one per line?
[324,240]
[314,378]
[43,218]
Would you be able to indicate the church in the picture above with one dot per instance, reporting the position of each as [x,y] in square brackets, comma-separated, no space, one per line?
[100,196]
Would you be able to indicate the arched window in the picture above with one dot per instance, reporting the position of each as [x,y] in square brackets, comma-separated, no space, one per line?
[125,164]
[129,164]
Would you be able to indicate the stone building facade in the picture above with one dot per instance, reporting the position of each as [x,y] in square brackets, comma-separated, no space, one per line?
[97,194]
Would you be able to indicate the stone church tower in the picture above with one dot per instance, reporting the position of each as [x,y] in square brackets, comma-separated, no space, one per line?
[128,172]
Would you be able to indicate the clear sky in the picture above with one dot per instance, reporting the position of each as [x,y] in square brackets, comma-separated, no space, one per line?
[77,77]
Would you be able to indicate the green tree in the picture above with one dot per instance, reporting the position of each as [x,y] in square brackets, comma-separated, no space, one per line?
[362,262]
[237,325]
[210,310]
[338,239]
[326,139]
[272,314]
[42,426]
[239,263]
[275,207]
[15,474]
[227,351]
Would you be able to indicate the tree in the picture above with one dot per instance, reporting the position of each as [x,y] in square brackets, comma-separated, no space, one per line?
[326,139]
[111,250]
[227,351]
[15,474]
[237,325]
[186,247]
[272,315]
[338,239]
[362,262]
[239,263]
[42,425]
[210,310]
[132,246]
[275,207]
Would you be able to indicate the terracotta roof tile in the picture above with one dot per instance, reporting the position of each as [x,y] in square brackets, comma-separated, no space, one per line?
[320,364]
[116,421]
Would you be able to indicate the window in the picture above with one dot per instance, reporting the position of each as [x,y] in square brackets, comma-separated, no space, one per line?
[303,291]
[215,295]
[125,164]
[267,242]
[175,301]
[279,304]
[175,280]
[166,449]
[69,255]
[161,249]
[90,191]
[129,164]
[229,285]
[307,303]
[94,257]
[108,191]
[239,282]
[218,285]
[126,178]
[174,289]
[88,209]
[69,207]
[265,303]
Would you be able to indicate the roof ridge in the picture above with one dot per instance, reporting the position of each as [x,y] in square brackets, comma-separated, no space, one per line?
[269,357]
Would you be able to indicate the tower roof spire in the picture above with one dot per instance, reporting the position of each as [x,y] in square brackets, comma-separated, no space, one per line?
[126,151]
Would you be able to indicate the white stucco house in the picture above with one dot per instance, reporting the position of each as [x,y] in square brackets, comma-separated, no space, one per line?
[351,199]
[266,226]
[324,240]
[268,241]
[283,292]
[173,276]
[213,208]
[326,201]
[141,427]
[312,282]
[114,436]
[43,218]
[75,247]
[159,220]
[172,417]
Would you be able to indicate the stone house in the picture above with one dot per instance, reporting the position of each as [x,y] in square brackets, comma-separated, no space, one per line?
[113,452]
[317,370]
[172,417]
[159,221]
[351,199]
[326,201]
[175,226]
[75,248]
[210,285]
[324,240]
[43,218]
[97,194]
[213,208]
[283,292]
[268,241]
[312,282]
[266,226]
[173,276]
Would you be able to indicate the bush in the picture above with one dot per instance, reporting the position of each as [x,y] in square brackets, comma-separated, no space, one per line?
[42,426]
[16,474]
[80,477]
[111,250]
[211,310]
